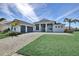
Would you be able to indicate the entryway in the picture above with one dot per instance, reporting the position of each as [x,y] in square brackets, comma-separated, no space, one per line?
[42,27]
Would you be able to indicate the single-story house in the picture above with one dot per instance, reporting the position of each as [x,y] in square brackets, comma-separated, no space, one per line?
[43,25]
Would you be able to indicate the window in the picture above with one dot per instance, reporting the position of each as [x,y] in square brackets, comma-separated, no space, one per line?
[61,26]
[49,26]
[37,26]
[14,29]
[55,26]
[11,27]
[58,26]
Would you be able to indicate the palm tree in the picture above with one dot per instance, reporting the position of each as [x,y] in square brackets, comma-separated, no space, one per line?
[14,23]
[75,21]
[69,21]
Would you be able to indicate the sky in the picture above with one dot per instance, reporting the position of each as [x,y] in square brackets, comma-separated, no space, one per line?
[32,12]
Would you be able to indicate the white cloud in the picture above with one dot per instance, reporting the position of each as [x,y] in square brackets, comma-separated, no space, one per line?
[38,5]
[27,11]
[67,13]
[4,8]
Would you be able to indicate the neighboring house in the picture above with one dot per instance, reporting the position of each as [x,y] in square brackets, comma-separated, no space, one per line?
[40,26]
[3,25]
[48,26]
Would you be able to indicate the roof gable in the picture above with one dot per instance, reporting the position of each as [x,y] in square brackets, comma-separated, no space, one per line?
[45,20]
[20,21]
[4,22]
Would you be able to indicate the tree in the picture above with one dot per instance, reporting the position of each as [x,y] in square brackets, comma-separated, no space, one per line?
[69,21]
[14,23]
[75,21]
[2,19]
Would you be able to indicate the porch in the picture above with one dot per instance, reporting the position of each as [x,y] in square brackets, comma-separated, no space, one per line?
[44,27]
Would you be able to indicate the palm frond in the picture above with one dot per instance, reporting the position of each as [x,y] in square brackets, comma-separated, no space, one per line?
[66,20]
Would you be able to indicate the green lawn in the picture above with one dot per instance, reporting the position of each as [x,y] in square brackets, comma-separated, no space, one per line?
[3,35]
[8,34]
[53,45]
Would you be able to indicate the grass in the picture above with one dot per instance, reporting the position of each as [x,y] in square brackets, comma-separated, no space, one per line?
[3,35]
[8,34]
[53,45]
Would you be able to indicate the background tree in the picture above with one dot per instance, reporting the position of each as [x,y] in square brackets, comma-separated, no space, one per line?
[69,21]
[75,21]
[2,19]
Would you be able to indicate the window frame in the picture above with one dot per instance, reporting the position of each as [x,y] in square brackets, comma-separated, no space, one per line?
[55,26]
[58,26]
[61,26]
[37,26]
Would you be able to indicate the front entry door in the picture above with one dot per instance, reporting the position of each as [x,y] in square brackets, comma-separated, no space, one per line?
[23,29]
[42,27]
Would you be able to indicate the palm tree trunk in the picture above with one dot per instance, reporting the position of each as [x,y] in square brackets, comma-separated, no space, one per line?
[75,27]
[69,25]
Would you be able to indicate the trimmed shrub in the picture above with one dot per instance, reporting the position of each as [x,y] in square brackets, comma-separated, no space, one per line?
[6,30]
[14,34]
[68,31]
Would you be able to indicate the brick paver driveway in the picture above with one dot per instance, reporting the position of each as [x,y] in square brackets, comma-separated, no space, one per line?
[8,46]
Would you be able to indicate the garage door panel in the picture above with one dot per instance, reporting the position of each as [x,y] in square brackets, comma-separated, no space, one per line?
[29,29]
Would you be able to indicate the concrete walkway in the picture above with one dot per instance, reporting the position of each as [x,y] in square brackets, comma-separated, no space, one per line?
[9,46]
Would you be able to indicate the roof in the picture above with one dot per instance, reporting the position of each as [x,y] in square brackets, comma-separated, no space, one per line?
[45,20]
[16,20]
[3,22]
[22,21]
[19,21]
[59,24]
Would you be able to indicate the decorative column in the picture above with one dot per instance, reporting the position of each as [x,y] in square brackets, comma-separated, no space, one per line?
[25,28]
[52,27]
[46,27]
[34,28]
[40,27]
